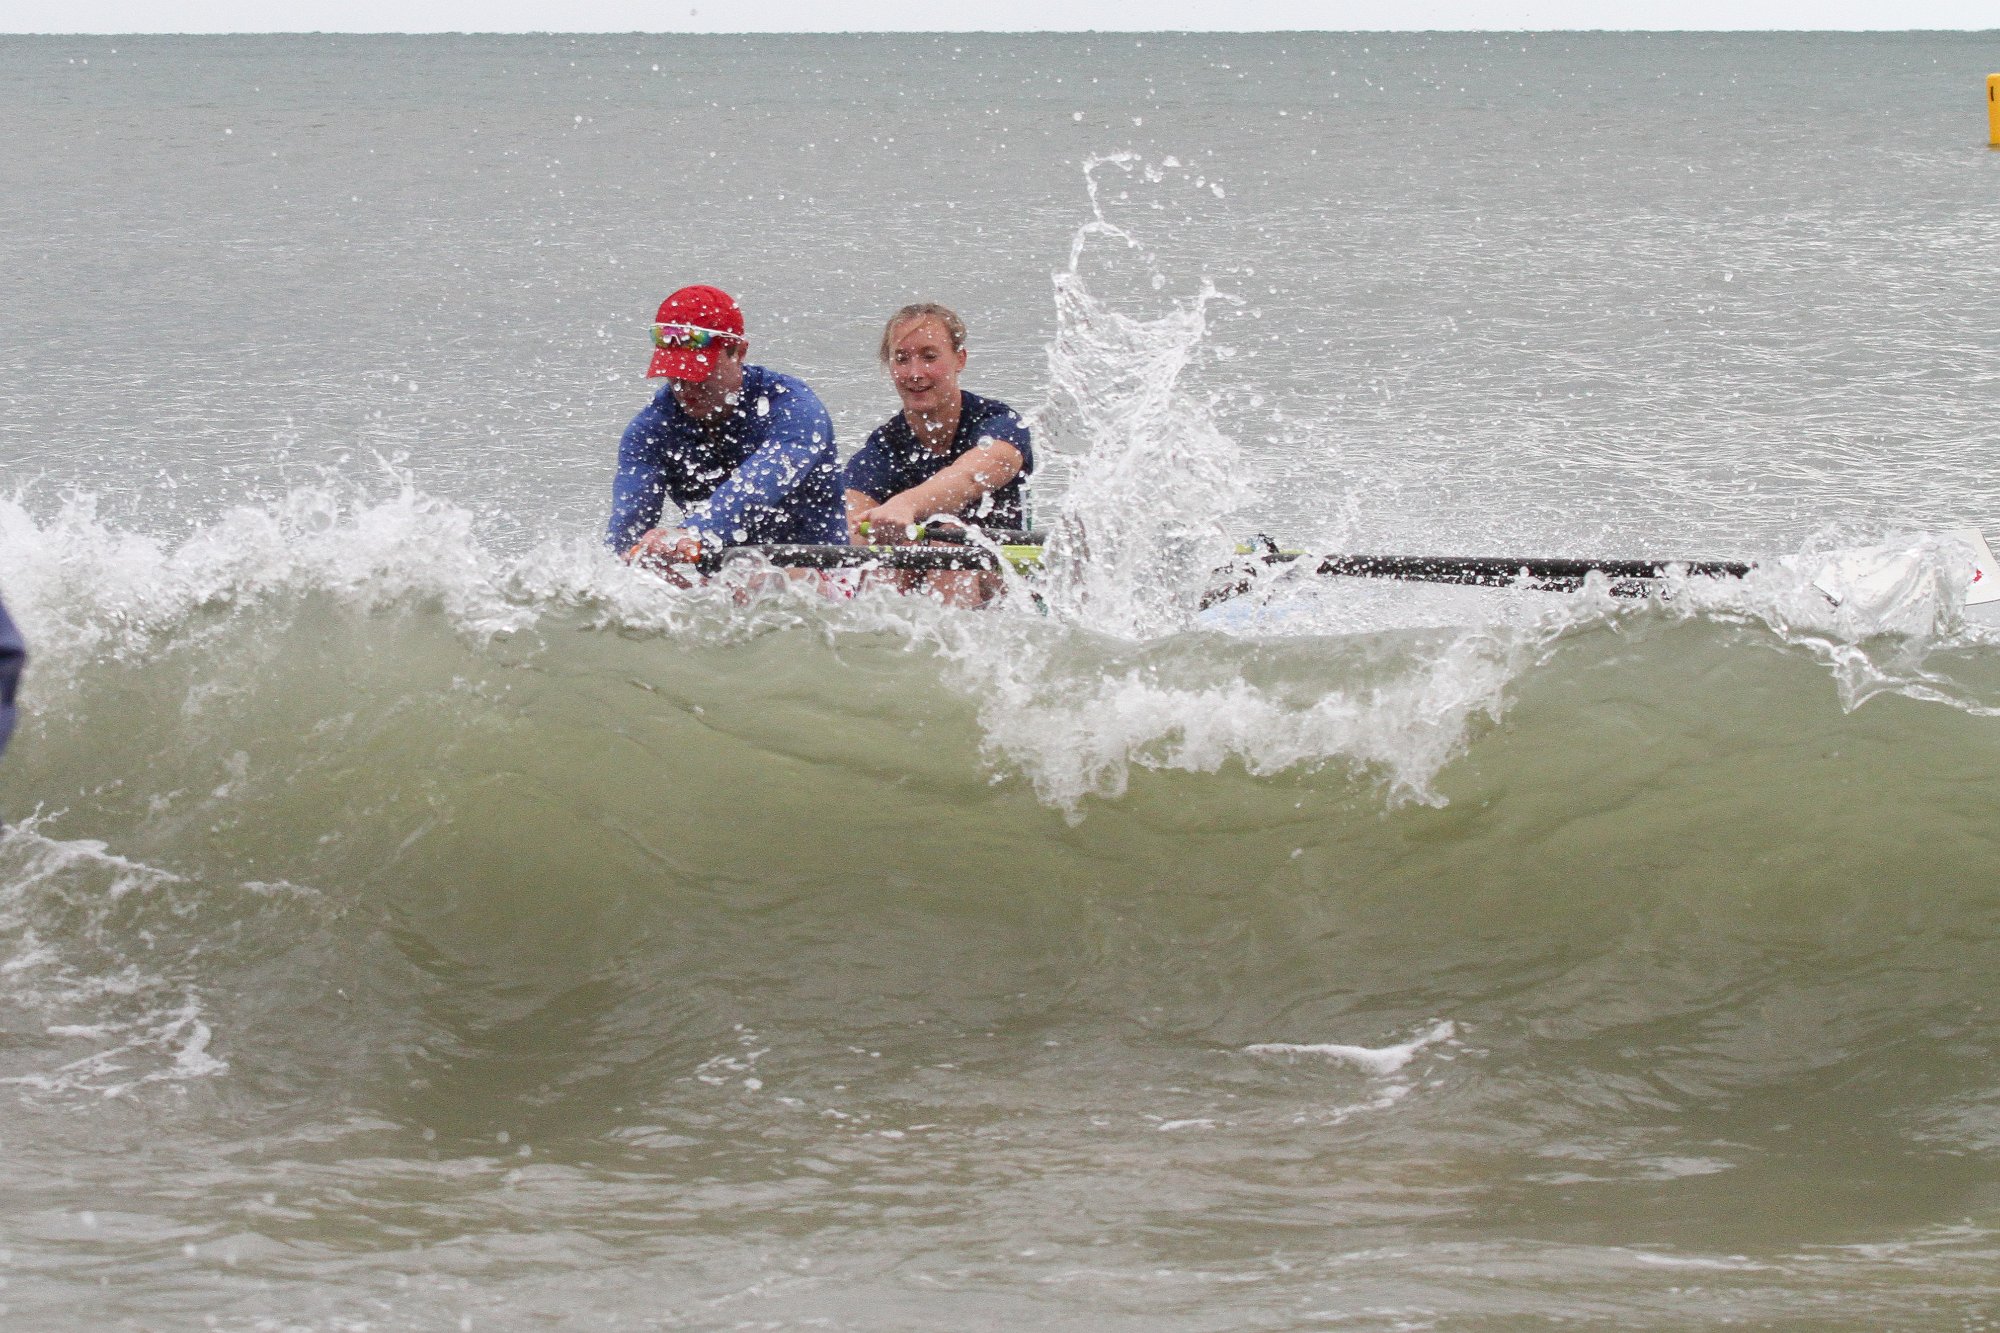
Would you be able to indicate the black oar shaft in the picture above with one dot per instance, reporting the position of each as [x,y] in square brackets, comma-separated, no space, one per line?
[1504,570]
[1550,573]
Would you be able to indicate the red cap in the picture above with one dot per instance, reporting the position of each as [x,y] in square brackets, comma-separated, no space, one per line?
[698,307]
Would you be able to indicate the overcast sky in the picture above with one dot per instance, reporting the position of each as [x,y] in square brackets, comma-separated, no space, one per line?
[136,16]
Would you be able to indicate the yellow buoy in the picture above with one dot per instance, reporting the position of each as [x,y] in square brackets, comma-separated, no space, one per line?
[1993,109]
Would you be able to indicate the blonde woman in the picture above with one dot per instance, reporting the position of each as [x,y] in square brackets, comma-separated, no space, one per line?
[947,452]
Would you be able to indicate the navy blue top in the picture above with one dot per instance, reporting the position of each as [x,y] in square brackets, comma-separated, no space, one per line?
[767,471]
[894,459]
[13,656]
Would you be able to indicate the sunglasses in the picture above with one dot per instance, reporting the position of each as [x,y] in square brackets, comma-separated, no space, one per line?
[687,338]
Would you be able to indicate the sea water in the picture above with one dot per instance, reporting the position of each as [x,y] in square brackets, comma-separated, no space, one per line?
[411,919]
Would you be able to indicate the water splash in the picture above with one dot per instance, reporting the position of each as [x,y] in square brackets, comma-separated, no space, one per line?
[84,588]
[1154,481]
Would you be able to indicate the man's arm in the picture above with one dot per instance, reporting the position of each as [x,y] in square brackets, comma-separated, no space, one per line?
[639,489]
[799,439]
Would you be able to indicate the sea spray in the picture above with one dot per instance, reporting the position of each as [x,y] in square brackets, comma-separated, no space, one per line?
[1109,675]
[1153,482]
[86,588]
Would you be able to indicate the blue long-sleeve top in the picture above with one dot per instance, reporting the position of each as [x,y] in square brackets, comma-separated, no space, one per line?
[13,656]
[766,472]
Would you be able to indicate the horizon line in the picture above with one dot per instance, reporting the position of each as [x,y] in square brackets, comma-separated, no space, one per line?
[957,32]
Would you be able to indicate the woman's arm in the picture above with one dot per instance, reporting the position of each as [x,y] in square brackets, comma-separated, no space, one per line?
[973,475]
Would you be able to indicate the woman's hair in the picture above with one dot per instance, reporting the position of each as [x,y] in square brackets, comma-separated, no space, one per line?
[945,315]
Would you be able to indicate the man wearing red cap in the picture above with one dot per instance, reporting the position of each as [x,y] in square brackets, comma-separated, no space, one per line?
[745,453]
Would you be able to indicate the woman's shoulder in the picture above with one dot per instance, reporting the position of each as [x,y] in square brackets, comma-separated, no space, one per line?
[979,417]
[972,404]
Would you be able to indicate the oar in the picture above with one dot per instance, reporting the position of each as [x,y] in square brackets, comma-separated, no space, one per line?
[1628,578]
[1023,550]
[1507,570]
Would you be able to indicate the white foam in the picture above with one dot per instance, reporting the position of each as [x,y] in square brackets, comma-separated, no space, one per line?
[1378,1061]
[81,588]
[148,1025]
[1059,707]
[1735,1263]
[1874,615]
